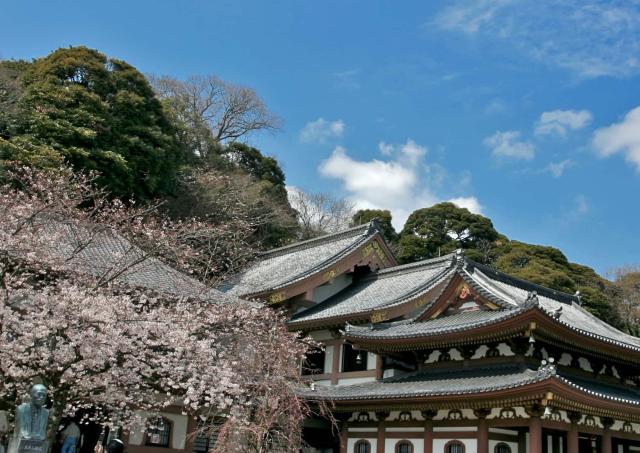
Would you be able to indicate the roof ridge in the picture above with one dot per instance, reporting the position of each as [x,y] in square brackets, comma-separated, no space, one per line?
[416,265]
[301,245]
[524,284]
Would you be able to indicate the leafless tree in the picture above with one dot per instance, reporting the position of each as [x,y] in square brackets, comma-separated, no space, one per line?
[627,300]
[320,213]
[214,111]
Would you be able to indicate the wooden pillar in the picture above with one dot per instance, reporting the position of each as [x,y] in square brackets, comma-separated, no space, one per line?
[379,367]
[606,435]
[344,436]
[572,435]
[381,416]
[428,430]
[535,434]
[483,430]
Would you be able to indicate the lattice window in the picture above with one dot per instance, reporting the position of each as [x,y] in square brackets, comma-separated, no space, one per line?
[205,441]
[159,432]
[454,446]
[362,446]
[404,446]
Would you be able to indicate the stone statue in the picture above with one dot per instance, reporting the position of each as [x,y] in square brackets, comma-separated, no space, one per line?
[32,418]
[31,424]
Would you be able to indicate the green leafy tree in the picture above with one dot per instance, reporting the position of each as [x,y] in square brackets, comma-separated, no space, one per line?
[443,228]
[384,219]
[96,113]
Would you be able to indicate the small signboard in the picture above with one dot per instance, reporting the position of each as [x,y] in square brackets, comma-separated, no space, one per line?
[28,446]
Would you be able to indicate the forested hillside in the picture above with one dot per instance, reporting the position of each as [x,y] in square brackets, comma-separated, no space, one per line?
[179,144]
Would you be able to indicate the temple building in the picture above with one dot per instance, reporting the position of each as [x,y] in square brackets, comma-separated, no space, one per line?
[447,355]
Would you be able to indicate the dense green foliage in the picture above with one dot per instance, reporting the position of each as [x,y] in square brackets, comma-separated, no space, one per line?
[444,227]
[441,229]
[96,113]
[78,106]
[384,219]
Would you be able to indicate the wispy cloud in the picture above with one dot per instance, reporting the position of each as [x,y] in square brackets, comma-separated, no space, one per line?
[621,138]
[508,145]
[347,79]
[398,182]
[321,130]
[590,38]
[557,169]
[468,17]
[579,209]
[556,122]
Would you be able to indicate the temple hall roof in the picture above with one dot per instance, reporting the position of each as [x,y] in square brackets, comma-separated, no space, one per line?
[477,380]
[426,383]
[286,265]
[386,288]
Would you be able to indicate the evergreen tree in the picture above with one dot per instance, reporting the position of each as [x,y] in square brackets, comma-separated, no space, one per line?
[96,113]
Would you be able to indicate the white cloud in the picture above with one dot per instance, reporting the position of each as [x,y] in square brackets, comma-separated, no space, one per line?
[385,149]
[471,203]
[507,145]
[557,169]
[623,138]
[579,209]
[321,130]
[558,121]
[590,38]
[468,17]
[496,106]
[399,182]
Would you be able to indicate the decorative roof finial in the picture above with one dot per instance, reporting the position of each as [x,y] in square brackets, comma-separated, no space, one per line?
[547,367]
[579,297]
[532,297]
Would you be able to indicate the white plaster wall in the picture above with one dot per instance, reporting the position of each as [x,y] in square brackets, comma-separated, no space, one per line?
[328,359]
[371,361]
[512,445]
[390,445]
[356,380]
[352,443]
[178,429]
[470,445]
[323,382]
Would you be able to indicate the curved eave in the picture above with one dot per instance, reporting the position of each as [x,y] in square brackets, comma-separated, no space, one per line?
[501,329]
[407,303]
[555,390]
[341,262]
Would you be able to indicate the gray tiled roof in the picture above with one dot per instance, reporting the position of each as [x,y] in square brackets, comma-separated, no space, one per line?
[384,289]
[570,313]
[425,383]
[463,381]
[437,326]
[514,296]
[280,267]
[105,254]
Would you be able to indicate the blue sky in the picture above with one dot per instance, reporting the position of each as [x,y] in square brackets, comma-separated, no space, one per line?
[522,110]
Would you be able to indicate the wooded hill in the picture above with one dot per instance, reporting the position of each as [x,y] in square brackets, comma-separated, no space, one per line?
[157,139]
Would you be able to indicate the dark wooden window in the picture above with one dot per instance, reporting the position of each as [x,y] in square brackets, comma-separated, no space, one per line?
[502,448]
[454,446]
[353,360]
[314,363]
[159,432]
[205,441]
[362,446]
[404,446]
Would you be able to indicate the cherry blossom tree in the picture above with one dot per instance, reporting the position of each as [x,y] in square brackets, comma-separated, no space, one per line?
[91,308]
